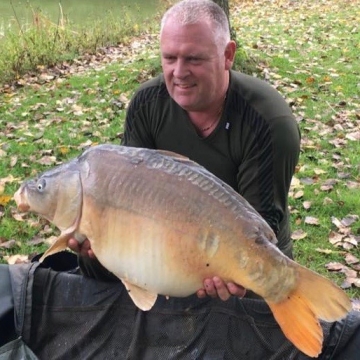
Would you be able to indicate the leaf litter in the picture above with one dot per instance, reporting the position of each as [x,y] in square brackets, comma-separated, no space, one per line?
[269,29]
[314,29]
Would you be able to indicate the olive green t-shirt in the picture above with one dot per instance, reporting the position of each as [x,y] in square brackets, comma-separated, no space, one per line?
[254,148]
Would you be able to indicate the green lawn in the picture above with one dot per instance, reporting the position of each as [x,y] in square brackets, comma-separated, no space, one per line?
[307,50]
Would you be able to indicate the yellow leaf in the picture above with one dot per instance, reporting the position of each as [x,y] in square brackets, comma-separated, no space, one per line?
[4,199]
[338,88]
[310,80]
[64,150]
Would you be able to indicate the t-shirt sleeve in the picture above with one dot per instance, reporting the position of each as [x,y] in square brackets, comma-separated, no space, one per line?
[137,131]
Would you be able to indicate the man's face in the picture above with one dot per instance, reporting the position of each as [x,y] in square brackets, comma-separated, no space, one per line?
[195,70]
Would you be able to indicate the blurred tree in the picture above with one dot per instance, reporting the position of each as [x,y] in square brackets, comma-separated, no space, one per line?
[224,4]
[242,62]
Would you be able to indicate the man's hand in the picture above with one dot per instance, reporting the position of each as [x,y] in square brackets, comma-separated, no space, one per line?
[216,287]
[83,249]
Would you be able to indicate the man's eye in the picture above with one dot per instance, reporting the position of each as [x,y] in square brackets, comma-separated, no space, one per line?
[194,60]
[169,58]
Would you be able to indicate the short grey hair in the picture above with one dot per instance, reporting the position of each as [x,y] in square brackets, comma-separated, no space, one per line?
[188,12]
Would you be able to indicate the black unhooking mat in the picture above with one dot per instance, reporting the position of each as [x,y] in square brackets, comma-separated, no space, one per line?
[62,315]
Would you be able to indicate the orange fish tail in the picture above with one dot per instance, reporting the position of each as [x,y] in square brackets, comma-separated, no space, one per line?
[315,297]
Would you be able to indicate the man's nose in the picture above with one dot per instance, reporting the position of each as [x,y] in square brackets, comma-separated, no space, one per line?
[180,69]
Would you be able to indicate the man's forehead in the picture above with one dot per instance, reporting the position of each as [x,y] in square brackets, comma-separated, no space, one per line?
[188,37]
[173,23]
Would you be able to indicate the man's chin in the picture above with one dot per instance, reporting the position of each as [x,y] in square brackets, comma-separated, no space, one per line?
[184,101]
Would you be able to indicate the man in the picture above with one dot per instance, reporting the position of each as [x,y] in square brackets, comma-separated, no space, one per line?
[238,127]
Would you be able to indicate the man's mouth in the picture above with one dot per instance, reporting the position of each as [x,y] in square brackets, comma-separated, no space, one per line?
[184,86]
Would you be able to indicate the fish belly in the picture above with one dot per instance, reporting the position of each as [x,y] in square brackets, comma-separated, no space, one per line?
[156,256]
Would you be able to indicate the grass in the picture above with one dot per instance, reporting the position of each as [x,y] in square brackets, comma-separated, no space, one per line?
[302,48]
[44,43]
[308,55]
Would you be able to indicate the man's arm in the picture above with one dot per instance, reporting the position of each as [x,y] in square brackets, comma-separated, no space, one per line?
[266,171]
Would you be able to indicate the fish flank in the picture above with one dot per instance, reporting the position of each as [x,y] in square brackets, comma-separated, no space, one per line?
[190,172]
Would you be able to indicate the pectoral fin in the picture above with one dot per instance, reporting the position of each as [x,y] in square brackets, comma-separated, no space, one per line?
[142,298]
[60,244]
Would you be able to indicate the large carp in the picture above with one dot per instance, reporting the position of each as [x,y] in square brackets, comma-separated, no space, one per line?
[163,224]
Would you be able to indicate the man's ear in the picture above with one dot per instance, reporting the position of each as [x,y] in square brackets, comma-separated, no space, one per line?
[230,54]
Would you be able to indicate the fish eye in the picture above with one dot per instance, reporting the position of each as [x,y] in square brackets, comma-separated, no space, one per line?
[41,184]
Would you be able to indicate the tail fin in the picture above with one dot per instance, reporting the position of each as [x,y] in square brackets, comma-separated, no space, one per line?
[314,298]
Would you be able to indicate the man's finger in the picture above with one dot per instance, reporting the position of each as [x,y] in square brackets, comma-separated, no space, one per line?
[210,288]
[221,288]
[74,245]
[236,290]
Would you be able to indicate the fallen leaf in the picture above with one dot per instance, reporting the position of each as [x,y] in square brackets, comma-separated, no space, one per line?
[355,304]
[355,136]
[351,259]
[10,244]
[335,238]
[5,199]
[310,220]
[37,240]
[349,220]
[47,160]
[335,266]
[298,234]
[17,259]
[327,201]
[13,161]
[325,251]
[307,205]
[351,240]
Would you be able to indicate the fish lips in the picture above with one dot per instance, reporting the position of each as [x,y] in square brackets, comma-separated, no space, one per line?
[21,205]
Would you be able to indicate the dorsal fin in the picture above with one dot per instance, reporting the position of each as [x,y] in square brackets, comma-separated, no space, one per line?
[176,156]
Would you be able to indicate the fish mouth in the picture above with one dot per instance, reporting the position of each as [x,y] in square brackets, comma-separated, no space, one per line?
[22,205]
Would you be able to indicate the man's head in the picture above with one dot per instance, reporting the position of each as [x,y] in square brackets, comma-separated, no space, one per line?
[197,53]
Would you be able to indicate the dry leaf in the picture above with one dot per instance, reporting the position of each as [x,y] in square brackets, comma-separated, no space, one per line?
[327,201]
[319,171]
[13,161]
[310,220]
[325,251]
[349,220]
[17,259]
[335,266]
[47,160]
[351,259]
[5,199]
[337,223]
[355,304]
[298,235]
[355,136]
[8,244]
[299,194]
[37,240]
[307,205]
[335,238]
